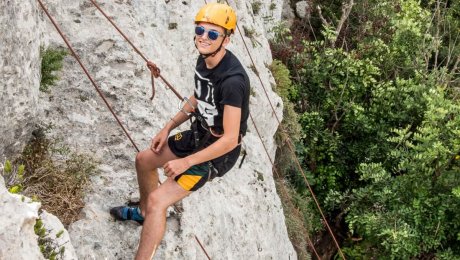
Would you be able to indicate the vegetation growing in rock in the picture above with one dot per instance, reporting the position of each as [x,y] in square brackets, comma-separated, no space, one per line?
[251,34]
[256,5]
[51,63]
[13,176]
[376,91]
[55,176]
[48,246]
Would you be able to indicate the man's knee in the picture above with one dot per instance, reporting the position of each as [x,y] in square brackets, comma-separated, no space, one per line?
[146,158]
[155,203]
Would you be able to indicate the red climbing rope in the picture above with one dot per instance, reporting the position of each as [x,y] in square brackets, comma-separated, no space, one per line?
[153,68]
[74,54]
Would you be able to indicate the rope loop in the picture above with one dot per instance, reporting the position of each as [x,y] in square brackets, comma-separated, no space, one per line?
[153,69]
[154,73]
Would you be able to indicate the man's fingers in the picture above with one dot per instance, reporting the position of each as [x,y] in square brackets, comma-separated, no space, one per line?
[159,145]
[166,169]
[156,145]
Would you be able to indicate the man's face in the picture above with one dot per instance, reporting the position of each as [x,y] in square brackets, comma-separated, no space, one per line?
[206,40]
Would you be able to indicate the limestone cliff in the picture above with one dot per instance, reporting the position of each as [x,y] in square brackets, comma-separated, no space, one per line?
[238,216]
[19,73]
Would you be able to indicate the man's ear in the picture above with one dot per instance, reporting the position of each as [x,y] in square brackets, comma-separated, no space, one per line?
[226,41]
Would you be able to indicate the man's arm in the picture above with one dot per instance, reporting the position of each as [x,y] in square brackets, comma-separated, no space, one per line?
[160,139]
[182,115]
[226,143]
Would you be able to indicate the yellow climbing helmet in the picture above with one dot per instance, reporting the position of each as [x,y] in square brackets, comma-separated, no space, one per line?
[218,14]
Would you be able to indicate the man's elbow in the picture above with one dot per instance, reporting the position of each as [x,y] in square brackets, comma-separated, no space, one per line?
[230,142]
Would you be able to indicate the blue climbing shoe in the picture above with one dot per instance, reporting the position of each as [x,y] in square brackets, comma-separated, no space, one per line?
[127,213]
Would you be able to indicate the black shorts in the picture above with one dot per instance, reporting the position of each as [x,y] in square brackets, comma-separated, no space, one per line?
[182,145]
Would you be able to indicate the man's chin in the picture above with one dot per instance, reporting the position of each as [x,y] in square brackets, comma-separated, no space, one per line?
[205,52]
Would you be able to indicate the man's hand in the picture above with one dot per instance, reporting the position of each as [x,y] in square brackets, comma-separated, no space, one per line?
[159,141]
[176,167]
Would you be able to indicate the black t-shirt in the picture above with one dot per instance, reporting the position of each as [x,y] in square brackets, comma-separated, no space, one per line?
[225,84]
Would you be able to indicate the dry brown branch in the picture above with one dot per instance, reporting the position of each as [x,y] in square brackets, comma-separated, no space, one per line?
[57,180]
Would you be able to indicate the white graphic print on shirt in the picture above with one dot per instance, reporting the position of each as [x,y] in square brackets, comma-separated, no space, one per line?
[203,91]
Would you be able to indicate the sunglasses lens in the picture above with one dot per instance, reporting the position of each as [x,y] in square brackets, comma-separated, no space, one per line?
[199,30]
[213,35]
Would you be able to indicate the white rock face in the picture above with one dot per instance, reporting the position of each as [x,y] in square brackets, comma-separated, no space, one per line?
[238,216]
[58,234]
[19,73]
[287,15]
[17,237]
[302,9]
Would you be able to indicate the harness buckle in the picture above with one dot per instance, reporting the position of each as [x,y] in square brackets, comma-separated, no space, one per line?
[181,105]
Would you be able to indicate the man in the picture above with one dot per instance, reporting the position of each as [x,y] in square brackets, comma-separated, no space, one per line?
[220,109]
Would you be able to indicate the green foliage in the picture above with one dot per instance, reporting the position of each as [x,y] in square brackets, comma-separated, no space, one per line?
[256,5]
[298,216]
[13,176]
[289,128]
[410,209]
[251,34]
[379,117]
[282,34]
[51,63]
[48,246]
[282,78]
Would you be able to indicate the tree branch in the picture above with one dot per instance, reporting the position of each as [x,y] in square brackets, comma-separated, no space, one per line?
[324,21]
[346,10]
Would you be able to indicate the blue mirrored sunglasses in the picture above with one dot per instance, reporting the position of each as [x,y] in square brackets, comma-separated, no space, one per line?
[212,34]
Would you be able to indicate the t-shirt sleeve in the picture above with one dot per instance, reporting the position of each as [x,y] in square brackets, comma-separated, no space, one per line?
[233,92]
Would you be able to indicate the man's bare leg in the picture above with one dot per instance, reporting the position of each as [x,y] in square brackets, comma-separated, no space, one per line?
[155,219]
[147,163]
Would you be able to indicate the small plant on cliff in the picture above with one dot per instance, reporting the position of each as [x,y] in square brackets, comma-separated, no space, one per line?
[56,176]
[256,6]
[48,246]
[51,63]
[14,176]
[251,34]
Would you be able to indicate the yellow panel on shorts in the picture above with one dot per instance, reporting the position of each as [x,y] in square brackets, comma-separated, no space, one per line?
[188,181]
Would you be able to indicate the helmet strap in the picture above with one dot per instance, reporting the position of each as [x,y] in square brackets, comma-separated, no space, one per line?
[212,54]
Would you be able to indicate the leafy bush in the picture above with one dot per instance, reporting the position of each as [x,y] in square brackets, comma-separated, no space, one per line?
[412,208]
[51,63]
[379,118]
